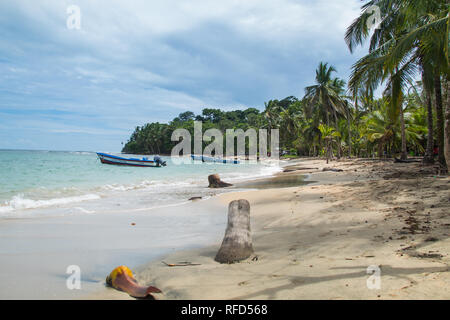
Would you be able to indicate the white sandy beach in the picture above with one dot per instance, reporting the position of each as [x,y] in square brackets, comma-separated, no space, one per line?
[317,241]
[311,241]
[35,252]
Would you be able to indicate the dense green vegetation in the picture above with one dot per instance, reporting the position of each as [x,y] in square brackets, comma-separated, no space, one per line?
[408,57]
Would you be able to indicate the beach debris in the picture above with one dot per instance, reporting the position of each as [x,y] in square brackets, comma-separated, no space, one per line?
[122,279]
[396,160]
[237,242]
[298,169]
[181,264]
[215,182]
[195,198]
[332,169]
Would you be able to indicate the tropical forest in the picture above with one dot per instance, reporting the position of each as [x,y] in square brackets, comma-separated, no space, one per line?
[407,61]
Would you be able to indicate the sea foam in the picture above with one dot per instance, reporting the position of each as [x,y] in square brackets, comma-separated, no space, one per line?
[18,202]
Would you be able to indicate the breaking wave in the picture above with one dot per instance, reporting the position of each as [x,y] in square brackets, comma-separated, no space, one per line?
[20,203]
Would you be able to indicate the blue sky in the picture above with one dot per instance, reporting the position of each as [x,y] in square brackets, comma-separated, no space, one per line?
[134,62]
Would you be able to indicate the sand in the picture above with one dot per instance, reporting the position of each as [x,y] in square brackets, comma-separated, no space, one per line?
[35,252]
[317,241]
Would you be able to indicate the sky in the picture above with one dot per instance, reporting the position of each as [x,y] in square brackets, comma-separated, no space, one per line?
[131,62]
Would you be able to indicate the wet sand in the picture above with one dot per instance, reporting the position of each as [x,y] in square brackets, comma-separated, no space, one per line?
[35,252]
[278,181]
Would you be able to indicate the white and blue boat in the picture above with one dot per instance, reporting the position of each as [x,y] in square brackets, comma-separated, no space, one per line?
[135,162]
[212,159]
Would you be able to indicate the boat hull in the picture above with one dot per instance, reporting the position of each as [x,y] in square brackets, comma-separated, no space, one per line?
[114,160]
[211,159]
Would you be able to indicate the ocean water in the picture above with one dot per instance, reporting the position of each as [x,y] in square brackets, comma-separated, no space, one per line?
[59,183]
[66,208]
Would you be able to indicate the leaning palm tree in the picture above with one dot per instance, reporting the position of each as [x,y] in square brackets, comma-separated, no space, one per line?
[371,69]
[411,33]
[427,39]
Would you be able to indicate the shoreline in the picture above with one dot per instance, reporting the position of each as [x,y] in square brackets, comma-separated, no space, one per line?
[116,184]
[211,201]
[39,244]
[316,241]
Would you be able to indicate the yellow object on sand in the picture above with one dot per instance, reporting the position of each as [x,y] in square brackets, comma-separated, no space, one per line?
[121,278]
[118,271]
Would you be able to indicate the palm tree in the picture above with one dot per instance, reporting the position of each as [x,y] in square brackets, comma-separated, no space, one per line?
[447,125]
[429,39]
[349,128]
[328,134]
[308,132]
[424,98]
[339,87]
[416,124]
[411,34]
[324,93]
[272,115]
[380,126]
[325,96]
[383,126]
[288,122]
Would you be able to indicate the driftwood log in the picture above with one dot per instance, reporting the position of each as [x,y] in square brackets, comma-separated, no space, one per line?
[237,242]
[332,169]
[215,182]
[298,169]
[396,160]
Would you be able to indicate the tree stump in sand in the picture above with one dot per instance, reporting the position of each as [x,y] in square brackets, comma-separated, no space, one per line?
[215,182]
[237,243]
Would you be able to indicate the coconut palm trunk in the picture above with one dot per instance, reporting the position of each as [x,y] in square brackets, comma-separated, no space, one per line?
[440,124]
[404,154]
[338,140]
[328,150]
[237,242]
[429,158]
[349,135]
[447,125]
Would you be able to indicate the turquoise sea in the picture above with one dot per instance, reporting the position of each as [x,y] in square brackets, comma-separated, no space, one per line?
[58,182]
[66,208]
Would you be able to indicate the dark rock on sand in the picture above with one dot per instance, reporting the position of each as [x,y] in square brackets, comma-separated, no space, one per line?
[215,182]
